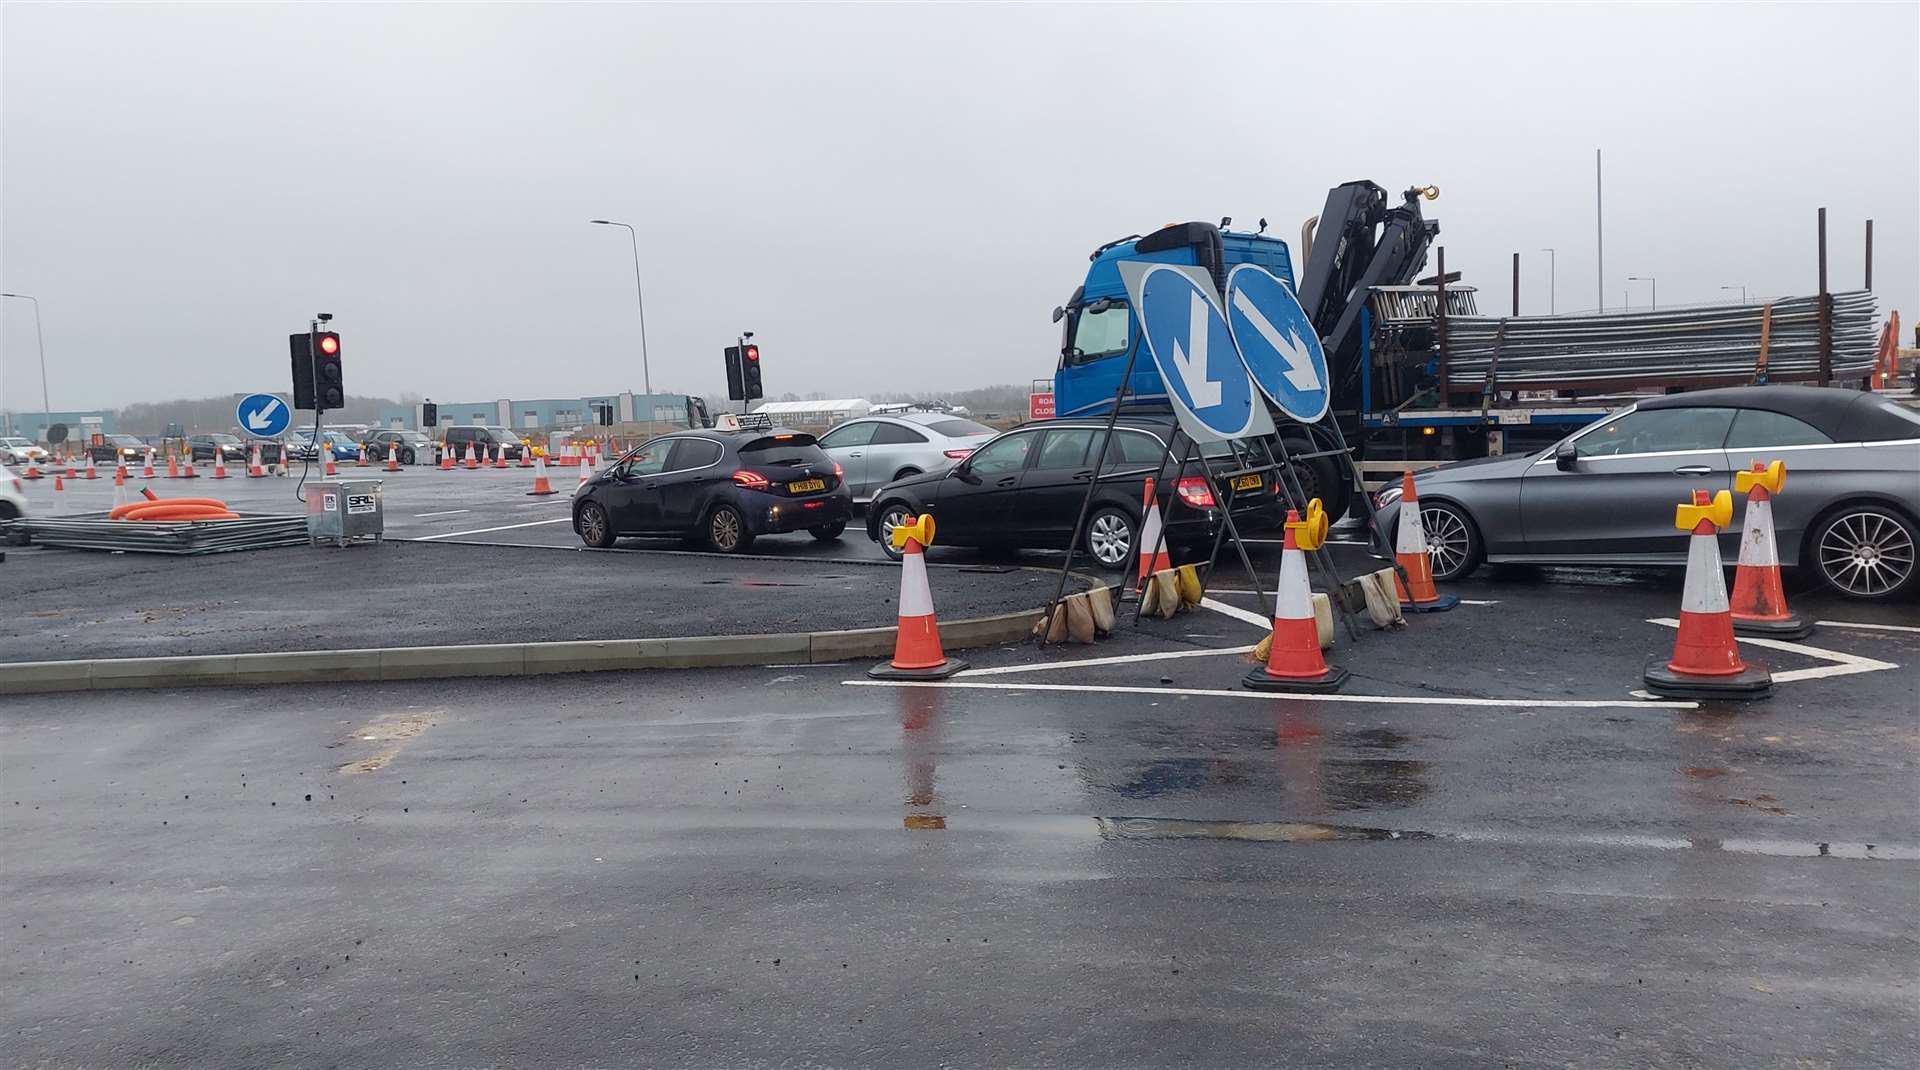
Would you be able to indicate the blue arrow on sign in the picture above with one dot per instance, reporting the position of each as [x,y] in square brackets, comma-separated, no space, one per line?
[1278,343]
[1187,336]
[262,415]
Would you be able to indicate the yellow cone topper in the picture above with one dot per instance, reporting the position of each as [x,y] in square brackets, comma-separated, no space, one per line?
[1772,477]
[1718,511]
[919,529]
[1310,532]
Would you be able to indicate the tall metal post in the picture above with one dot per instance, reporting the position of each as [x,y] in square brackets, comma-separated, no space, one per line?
[640,298]
[1869,284]
[1599,239]
[1516,284]
[46,408]
[1826,311]
[1440,321]
[1553,281]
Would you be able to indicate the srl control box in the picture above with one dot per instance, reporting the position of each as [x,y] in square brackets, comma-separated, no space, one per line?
[342,510]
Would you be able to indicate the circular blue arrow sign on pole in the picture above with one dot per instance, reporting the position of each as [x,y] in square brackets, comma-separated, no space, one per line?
[262,415]
[1193,350]
[1278,343]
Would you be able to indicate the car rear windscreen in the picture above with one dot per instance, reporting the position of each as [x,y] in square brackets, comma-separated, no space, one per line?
[788,451]
[958,428]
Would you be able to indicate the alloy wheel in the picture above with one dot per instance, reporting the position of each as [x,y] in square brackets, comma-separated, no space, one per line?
[1110,537]
[1447,539]
[724,530]
[1866,553]
[889,520]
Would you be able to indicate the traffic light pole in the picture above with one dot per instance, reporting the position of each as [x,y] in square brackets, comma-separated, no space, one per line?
[741,341]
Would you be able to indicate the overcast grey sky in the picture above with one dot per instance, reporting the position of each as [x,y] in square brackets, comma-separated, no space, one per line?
[893,197]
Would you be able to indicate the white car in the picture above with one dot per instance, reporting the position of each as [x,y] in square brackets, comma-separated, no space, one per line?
[13,495]
[873,451]
[16,450]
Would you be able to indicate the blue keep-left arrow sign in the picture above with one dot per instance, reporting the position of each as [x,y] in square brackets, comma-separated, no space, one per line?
[1187,337]
[262,415]
[1278,343]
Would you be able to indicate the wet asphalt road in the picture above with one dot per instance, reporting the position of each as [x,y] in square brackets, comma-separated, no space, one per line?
[777,867]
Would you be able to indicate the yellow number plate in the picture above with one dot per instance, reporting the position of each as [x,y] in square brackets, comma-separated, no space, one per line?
[1248,483]
[806,485]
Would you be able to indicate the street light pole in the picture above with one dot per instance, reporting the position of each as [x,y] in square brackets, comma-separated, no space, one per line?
[1742,289]
[40,341]
[646,373]
[1553,282]
[1655,296]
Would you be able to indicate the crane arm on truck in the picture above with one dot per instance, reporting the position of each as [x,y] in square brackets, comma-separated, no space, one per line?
[1361,242]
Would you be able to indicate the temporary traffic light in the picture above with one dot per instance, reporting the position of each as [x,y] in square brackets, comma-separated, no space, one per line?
[429,415]
[300,348]
[750,373]
[736,381]
[330,391]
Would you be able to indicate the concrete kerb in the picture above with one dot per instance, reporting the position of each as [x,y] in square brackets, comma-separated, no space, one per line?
[494,659]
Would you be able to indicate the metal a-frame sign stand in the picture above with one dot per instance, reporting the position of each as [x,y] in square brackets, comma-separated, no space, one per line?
[1219,485]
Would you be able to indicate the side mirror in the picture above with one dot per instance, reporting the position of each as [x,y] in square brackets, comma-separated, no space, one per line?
[1566,456]
[1059,313]
[964,473]
[1102,305]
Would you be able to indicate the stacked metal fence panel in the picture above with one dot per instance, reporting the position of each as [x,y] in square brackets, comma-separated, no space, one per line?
[186,537]
[1697,346]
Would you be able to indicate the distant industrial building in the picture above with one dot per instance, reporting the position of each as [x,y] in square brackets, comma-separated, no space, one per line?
[34,425]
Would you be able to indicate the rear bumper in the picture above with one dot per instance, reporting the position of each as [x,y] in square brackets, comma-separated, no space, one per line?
[771,514]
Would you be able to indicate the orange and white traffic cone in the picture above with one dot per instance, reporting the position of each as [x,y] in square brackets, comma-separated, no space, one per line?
[1152,549]
[92,473]
[500,457]
[361,461]
[120,471]
[1706,662]
[173,466]
[526,457]
[1759,599]
[254,468]
[1295,663]
[393,457]
[219,463]
[59,494]
[32,472]
[1417,593]
[446,459]
[147,472]
[329,468]
[541,488]
[916,646]
[120,493]
[470,463]
[186,468]
[586,473]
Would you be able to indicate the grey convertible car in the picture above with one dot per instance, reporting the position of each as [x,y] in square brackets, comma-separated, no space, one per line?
[1605,494]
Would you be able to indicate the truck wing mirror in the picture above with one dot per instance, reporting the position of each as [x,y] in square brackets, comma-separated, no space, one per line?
[1102,305]
[1566,456]
[1059,313]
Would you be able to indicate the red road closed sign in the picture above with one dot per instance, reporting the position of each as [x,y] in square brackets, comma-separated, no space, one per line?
[1040,406]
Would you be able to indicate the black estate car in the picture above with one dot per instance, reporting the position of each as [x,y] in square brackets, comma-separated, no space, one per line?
[722,488]
[1025,489]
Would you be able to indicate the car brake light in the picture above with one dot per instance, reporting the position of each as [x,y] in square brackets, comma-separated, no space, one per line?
[751,480]
[838,472]
[1194,491]
[958,455]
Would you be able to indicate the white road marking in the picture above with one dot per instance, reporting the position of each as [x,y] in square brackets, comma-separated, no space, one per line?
[1869,627]
[1463,601]
[1237,613]
[1329,542]
[1841,664]
[1389,700]
[1118,659]
[444,512]
[483,531]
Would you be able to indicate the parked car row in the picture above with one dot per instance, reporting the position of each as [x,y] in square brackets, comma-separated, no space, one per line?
[1023,489]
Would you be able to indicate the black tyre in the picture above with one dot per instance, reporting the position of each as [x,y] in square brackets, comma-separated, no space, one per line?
[726,531]
[1320,477]
[596,529]
[1110,538]
[892,515]
[1453,542]
[1864,551]
[406,456]
[828,532]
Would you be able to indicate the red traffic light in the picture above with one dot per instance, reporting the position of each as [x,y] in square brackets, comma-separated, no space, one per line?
[753,352]
[329,344]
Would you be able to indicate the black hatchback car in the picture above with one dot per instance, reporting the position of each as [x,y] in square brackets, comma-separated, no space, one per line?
[1025,489]
[720,488]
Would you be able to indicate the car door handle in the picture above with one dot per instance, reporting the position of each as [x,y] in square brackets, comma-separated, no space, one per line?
[1083,475]
[1008,481]
[854,455]
[1693,470]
